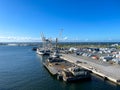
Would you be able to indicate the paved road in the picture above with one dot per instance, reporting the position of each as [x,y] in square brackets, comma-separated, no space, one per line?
[106,69]
[91,60]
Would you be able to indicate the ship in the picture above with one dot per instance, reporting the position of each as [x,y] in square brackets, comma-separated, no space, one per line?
[75,74]
[42,51]
[55,64]
[65,70]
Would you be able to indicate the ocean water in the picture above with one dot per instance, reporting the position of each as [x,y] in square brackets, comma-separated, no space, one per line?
[22,69]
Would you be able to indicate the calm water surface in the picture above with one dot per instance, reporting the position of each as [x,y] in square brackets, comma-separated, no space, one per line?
[22,69]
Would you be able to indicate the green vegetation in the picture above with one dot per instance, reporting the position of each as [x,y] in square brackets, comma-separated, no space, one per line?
[84,45]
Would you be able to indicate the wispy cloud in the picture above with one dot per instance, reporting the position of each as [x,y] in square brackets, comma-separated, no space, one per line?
[18,39]
[65,38]
[86,39]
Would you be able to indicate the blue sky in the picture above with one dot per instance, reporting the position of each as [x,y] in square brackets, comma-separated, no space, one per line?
[81,20]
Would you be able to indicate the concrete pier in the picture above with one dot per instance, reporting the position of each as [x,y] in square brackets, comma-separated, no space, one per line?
[110,72]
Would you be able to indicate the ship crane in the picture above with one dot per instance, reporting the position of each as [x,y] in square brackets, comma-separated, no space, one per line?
[47,43]
[58,38]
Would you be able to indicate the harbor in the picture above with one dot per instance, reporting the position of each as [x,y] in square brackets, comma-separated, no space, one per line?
[23,70]
[65,70]
[106,71]
[59,45]
[102,61]
[111,73]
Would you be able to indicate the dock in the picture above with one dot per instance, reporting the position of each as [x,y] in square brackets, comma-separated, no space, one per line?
[109,72]
[55,67]
[65,70]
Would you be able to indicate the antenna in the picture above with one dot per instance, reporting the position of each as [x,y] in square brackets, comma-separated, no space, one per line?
[43,40]
[60,34]
[58,38]
[42,36]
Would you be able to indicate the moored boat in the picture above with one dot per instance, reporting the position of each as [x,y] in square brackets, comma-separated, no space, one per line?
[42,52]
[75,74]
[65,70]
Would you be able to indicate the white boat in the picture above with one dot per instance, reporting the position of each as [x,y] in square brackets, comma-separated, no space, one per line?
[40,52]
[43,52]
